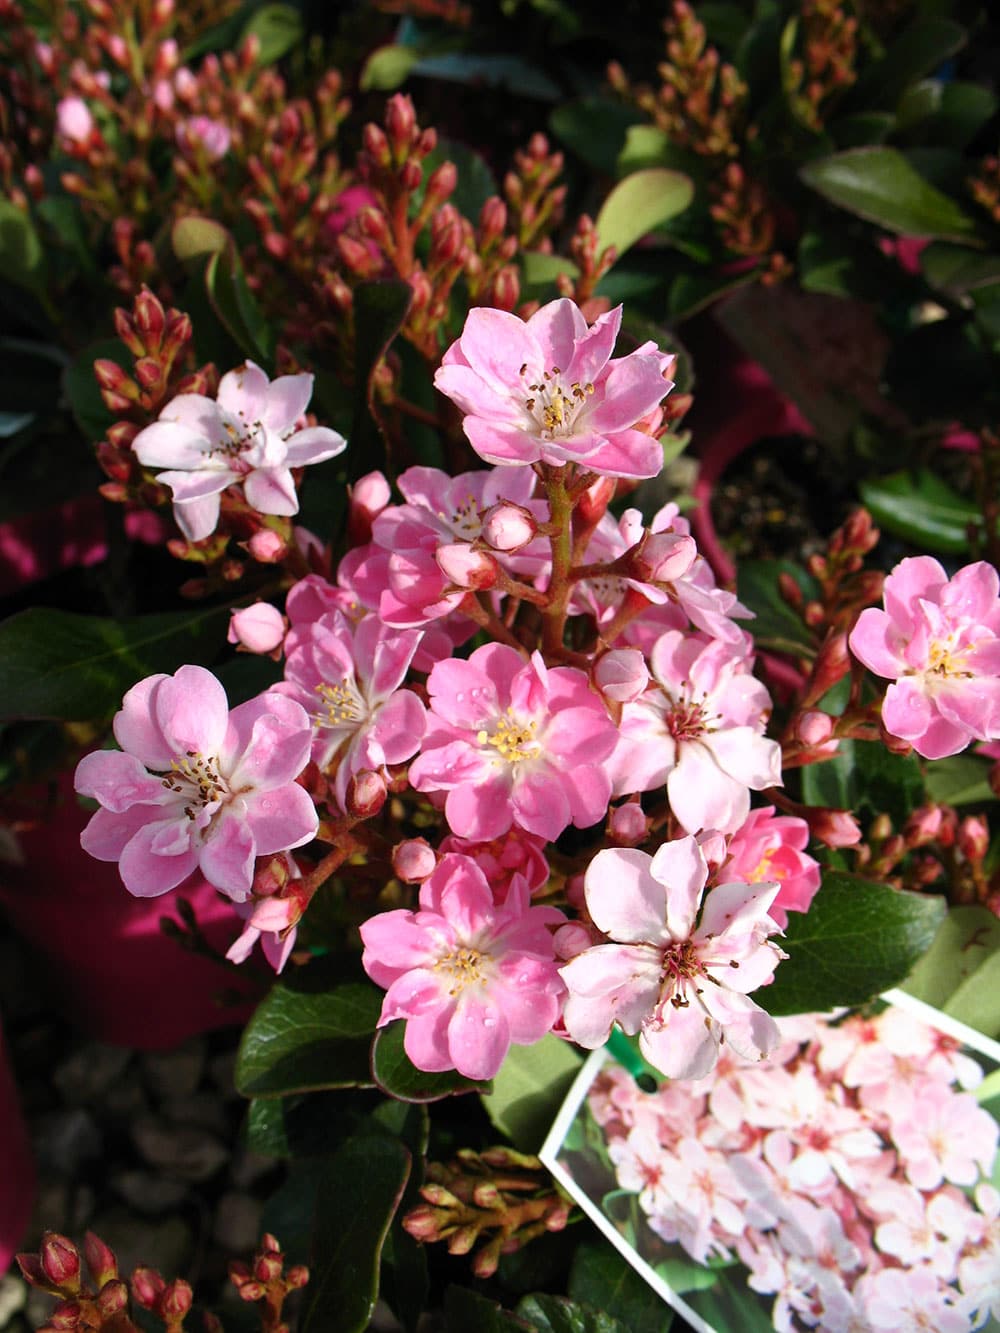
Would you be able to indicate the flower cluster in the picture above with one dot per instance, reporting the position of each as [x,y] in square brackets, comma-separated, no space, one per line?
[849,1175]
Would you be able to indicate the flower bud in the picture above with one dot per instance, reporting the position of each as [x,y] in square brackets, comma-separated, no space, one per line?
[369,495]
[60,1261]
[835,828]
[410,175]
[441,182]
[507,526]
[274,915]
[366,794]
[268,1266]
[506,288]
[621,675]
[400,124]
[413,860]
[257,629]
[627,824]
[74,120]
[492,218]
[111,377]
[663,557]
[923,825]
[466,567]
[267,546]
[974,838]
[570,940]
[65,1316]
[595,500]
[814,727]
[100,1259]
[297,1276]
[113,1298]
[146,1285]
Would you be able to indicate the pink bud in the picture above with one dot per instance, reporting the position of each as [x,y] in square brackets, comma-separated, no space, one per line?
[413,860]
[621,674]
[366,794]
[836,828]
[595,500]
[60,1261]
[267,546]
[400,122]
[297,1275]
[627,824]
[74,120]
[571,939]
[664,556]
[974,838]
[113,1298]
[147,1285]
[923,825]
[465,566]
[369,496]
[814,727]
[100,1259]
[211,136]
[713,847]
[276,914]
[508,526]
[257,629]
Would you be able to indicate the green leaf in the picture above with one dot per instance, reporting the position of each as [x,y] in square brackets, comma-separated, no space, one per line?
[75,668]
[266,1132]
[397,1076]
[476,182]
[379,311]
[29,379]
[539,272]
[866,778]
[359,1192]
[601,1278]
[235,304]
[960,973]
[83,391]
[918,506]
[595,129]
[879,184]
[684,1275]
[555,1314]
[777,627]
[962,779]
[195,238]
[645,146]
[22,255]
[640,203]
[921,47]
[857,939]
[955,270]
[866,127]
[529,1089]
[467,1311]
[947,115]
[691,292]
[388,67]
[278,28]
[309,1032]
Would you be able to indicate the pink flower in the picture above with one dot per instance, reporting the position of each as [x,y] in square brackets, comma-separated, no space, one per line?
[939,640]
[682,986]
[501,859]
[470,978]
[546,390]
[74,120]
[271,919]
[257,629]
[769,847]
[246,437]
[203,136]
[197,787]
[514,742]
[698,729]
[347,678]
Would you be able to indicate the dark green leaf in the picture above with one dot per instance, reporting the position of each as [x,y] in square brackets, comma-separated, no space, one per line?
[289,1212]
[22,255]
[476,182]
[467,1311]
[601,1278]
[857,939]
[404,1279]
[529,1089]
[278,28]
[379,310]
[918,506]
[236,306]
[948,115]
[879,184]
[83,391]
[359,1192]
[29,379]
[641,203]
[396,1075]
[555,1314]
[595,129]
[921,47]
[266,1134]
[491,70]
[75,668]
[309,1032]
[866,778]
[866,127]
[956,270]
[777,627]
[691,292]
[960,973]
[962,779]
[539,272]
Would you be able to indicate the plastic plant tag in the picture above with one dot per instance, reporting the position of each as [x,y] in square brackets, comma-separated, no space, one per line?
[850,1182]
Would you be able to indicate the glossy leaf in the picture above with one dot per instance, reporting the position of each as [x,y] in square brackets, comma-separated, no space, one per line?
[540,271]
[922,508]
[556,1314]
[22,255]
[235,304]
[948,115]
[641,203]
[492,70]
[465,1311]
[308,1033]
[603,1279]
[277,27]
[529,1089]
[645,146]
[397,1076]
[195,238]
[955,270]
[960,973]
[83,391]
[879,184]
[75,668]
[777,626]
[691,292]
[595,129]
[961,779]
[379,310]
[866,778]
[858,939]
[359,1191]
[921,47]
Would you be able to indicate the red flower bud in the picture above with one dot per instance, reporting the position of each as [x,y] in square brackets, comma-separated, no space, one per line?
[60,1261]
[366,794]
[177,1299]
[400,124]
[113,1298]
[150,319]
[146,1284]
[413,860]
[100,1259]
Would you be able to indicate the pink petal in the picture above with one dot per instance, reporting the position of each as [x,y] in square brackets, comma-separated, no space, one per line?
[169,444]
[496,345]
[135,726]
[480,812]
[286,399]
[475,397]
[623,898]
[875,642]
[607,984]
[147,874]
[400,726]
[190,486]
[463,694]
[627,453]
[504,445]
[478,1035]
[914,578]
[197,519]
[426,1038]
[743,754]
[633,387]
[750,1031]
[906,710]
[972,593]
[281,819]
[244,392]
[117,781]
[973,704]
[227,856]
[397,943]
[314,444]
[540,803]
[107,835]
[702,796]
[588,789]
[559,326]
[192,712]
[267,742]
[271,491]
[681,870]
[685,1047]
